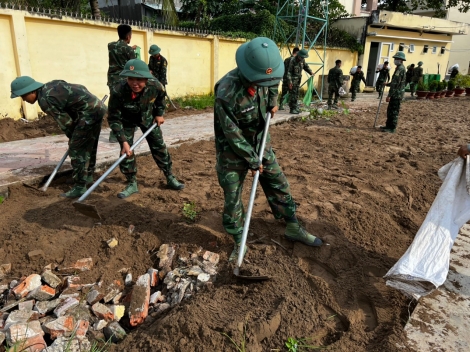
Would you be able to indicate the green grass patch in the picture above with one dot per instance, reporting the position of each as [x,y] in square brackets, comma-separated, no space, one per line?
[198,102]
[2,199]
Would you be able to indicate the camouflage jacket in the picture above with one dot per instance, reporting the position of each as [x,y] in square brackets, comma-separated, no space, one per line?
[417,74]
[454,73]
[119,53]
[286,68]
[397,85]
[126,111]
[158,67]
[239,119]
[335,77]
[294,71]
[70,105]
[384,75]
[357,78]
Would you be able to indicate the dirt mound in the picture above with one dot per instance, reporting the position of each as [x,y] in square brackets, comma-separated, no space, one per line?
[365,193]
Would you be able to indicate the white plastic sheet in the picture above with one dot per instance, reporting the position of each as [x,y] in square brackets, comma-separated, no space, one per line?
[425,264]
[353,70]
[342,91]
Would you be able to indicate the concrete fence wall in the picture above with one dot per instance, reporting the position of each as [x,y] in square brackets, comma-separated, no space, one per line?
[49,47]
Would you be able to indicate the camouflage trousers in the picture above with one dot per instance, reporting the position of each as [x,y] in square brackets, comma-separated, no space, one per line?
[413,86]
[158,150]
[333,90]
[379,87]
[354,89]
[285,90]
[275,187]
[294,95]
[392,113]
[82,151]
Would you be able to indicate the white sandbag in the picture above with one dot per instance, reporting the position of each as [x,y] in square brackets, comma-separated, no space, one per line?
[342,91]
[425,264]
[454,66]
[353,70]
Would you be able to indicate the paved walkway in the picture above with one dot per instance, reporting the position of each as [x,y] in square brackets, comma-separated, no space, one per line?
[30,160]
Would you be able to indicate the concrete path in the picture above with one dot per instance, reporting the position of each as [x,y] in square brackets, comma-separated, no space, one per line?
[30,160]
[441,321]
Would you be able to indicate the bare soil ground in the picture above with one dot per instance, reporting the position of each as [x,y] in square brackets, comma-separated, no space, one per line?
[365,193]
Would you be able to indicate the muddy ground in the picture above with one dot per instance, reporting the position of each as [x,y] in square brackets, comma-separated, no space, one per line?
[13,130]
[365,193]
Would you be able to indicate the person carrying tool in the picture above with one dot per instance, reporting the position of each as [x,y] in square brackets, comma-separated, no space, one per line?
[138,101]
[409,76]
[358,76]
[335,82]
[454,72]
[243,97]
[397,86]
[285,86]
[294,76]
[78,113]
[158,64]
[119,53]
[384,77]
[416,78]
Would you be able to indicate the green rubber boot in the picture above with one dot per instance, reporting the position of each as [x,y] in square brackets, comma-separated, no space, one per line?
[89,179]
[76,192]
[388,130]
[294,111]
[296,233]
[173,183]
[281,107]
[112,137]
[130,189]
[236,250]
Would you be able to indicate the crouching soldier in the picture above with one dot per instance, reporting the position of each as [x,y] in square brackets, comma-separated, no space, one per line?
[78,113]
[139,101]
[243,96]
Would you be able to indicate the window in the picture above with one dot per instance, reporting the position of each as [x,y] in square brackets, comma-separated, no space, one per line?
[401,47]
[411,49]
[443,50]
[392,47]
[434,50]
[425,49]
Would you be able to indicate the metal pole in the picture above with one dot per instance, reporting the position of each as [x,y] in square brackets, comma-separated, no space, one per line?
[111,169]
[51,177]
[246,226]
[378,109]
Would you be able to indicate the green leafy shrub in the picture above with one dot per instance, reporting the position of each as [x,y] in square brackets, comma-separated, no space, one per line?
[433,86]
[451,85]
[423,87]
[190,211]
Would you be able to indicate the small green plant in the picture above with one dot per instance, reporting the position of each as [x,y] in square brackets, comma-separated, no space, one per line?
[242,346]
[190,212]
[2,199]
[294,345]
[451,85]
[345,109]
[423,87]
[197,102]
[433,86]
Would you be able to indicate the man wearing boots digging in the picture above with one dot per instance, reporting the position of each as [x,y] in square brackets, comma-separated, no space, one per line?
[78,113]
[139,101]
[297,64]
[384,77]
[243,97]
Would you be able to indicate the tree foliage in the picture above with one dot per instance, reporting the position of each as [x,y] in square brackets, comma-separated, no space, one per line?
[408,6]
[82,6]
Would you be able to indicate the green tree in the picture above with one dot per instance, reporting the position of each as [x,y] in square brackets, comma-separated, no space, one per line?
[408,6]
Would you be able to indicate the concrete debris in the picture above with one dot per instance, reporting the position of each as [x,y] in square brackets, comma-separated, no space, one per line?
[102,312]
[195,271]
[114,332]
[80,265]
[128,280]
[42,293]
[51,279]
[22,331]
[65,305]
[94,296]
[166,254]
[139,307]
[131,229]
[211,257]
[112,291]
[4,270]
[100,325]
[69,344]
[113,242]
[27,285]
[36,254]
[26,305]
[63,326]
[203,277]
[17,317]
[46,306]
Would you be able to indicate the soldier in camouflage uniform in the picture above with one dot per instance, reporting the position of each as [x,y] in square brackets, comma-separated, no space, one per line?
[335,82]
[397,86]
[119,53]
[416,78]
[294,76]
[78,113]
[139,101]
[243,97]
[285,85]
[384,77]
[158,64]
[356,82]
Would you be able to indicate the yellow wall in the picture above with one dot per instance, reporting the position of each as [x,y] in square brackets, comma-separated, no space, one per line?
[75,50]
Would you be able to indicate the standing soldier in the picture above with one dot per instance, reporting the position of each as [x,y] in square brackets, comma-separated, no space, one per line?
[416,78]
[78,113]
[294,76]
[335,82]
[119,53]
[139,101]
[285,85]
[358,76]
[397,86]
[409,75]
[243,97]
[158,64]
[454,72]
[384,77]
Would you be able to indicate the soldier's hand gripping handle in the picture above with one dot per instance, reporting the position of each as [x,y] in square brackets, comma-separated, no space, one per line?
[253,172]
[126,149]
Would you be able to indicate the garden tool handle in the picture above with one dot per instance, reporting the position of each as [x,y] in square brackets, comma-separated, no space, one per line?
[115,165]
[246,226]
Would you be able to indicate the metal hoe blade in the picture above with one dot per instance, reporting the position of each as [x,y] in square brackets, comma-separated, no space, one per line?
[87,210]
[246,226]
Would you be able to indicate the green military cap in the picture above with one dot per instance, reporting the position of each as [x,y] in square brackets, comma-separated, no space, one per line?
[400,55]
[260,62]
[420,63]
[23,85]
[136,68]
[154,49]
[303,53]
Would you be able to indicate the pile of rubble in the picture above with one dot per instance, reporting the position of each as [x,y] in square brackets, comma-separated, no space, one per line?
[55,311]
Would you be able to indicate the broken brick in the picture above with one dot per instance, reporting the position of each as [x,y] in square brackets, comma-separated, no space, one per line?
[26,305]
[51,279]
[140,298]
[80,265]
[153,273]
[46,306]
[42,293]
[62,326]
[211,257]
[102,312]
[166,254]
[27,285]
[100,324]
[31,344]
[118,311]
[114,332]
[17,317]
[65,305]
[112,291]
[22,331]
[94,296]
[81,329]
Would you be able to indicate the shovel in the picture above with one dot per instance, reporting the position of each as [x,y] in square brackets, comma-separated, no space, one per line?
[173,107]
[89,209]
[378,109]
[59,165]
[246,226]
